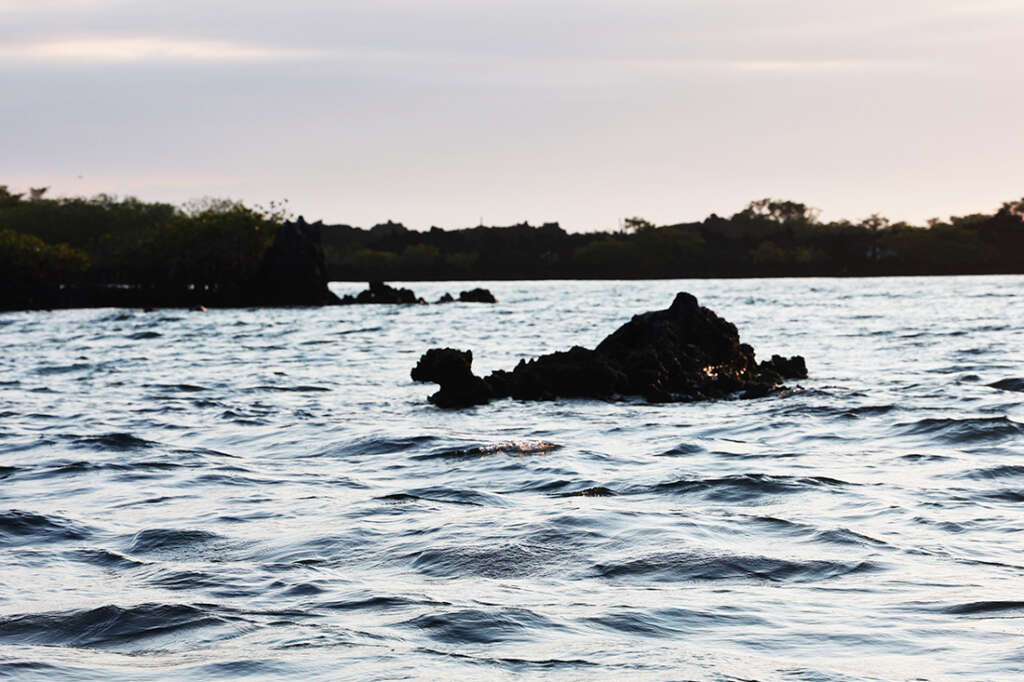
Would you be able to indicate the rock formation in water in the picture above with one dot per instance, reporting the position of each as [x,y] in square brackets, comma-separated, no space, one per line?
[477,296]
[293,270]
[683,353]
[452,370]
[379,292]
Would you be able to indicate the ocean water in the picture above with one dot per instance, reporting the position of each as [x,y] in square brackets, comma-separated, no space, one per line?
[264,494]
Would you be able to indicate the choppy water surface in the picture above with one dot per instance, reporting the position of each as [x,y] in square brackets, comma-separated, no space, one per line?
[266,494]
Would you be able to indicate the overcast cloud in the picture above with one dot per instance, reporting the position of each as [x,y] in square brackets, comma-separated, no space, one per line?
[583,111]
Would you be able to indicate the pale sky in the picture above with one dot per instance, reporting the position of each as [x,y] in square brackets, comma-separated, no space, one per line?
[443,112]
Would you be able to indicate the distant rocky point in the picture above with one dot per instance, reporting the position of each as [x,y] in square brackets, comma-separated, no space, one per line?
[477,295]
[379,292]
[683,353]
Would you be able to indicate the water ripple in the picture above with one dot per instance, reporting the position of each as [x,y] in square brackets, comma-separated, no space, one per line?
[264,493]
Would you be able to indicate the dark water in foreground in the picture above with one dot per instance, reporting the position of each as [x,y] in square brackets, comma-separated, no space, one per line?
[265,494]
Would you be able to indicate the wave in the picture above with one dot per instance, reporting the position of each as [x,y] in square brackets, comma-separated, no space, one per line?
[157,499]
[845,536]
[242,419]
[161,540]
[60,468]
[232,476]
[477,626]
[361,330]
[512,560]
[867,410]
[835,536]
[983,607]
[111,441]
[286,389]
[375,603]
[26,528]
[105,626]
[519,665]
[745,487]
[685,566]
[918,457]
[187,580]
[447,495]
[62,369]
[1014,496]
[970,430]
[1009,385]
[184,388]
[249,668]
[104,558]
[990,473]
[672,621]
[374,445]
[682,449]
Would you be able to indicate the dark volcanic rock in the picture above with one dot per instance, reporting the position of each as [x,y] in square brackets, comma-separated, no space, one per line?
[293,270]
[471,296]
[787,368]
[683,353]
[379,292]
[477,296]
[452,370]
[576,373]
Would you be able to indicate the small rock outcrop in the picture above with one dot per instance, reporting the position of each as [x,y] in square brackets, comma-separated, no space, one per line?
[472,296]
[293,271]
[452,370]
[477,296]
[379,292]
[683,353]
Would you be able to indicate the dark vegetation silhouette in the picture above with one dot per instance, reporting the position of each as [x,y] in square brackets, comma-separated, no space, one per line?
[769,238]
[163,253]
[208,247]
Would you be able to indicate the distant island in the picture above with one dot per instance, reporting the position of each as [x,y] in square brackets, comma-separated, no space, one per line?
[206,250]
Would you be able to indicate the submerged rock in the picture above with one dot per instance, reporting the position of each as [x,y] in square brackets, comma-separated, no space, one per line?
[379,292]
[683,353]
[477,296]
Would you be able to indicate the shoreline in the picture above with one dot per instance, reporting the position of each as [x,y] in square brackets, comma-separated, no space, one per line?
[123,297]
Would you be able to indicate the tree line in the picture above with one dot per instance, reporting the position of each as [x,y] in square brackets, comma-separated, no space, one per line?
[205,245]
[211,244]
[768,238]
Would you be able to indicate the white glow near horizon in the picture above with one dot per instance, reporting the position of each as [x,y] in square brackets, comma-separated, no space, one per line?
[145,49]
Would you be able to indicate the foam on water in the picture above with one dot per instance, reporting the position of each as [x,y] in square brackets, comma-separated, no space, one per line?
[264,494]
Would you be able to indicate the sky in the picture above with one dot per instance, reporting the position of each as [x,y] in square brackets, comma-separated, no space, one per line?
[453,112]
